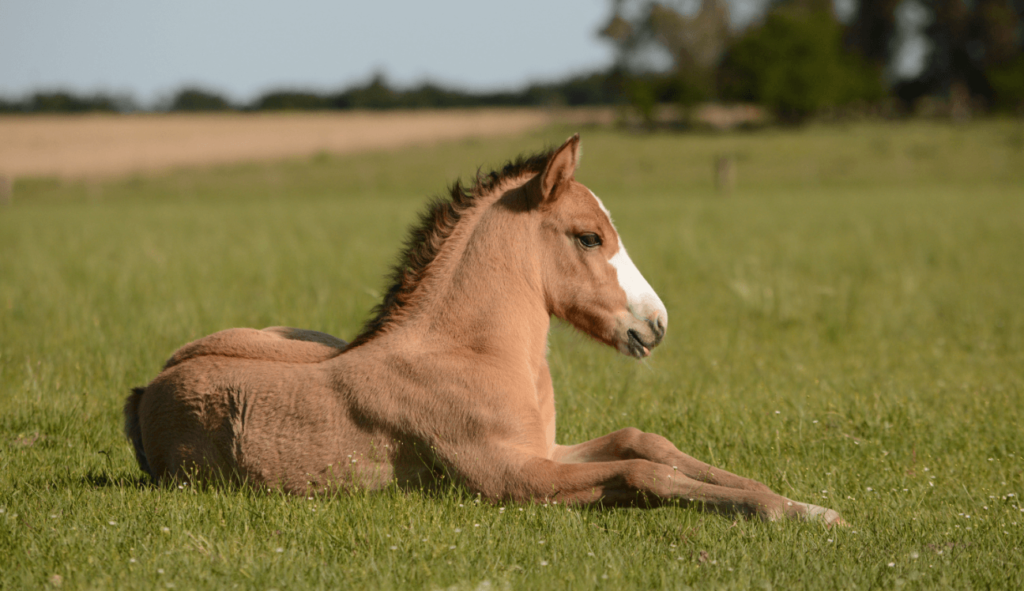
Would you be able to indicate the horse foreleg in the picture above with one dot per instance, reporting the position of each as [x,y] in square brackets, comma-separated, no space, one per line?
[633,443]
[636,480]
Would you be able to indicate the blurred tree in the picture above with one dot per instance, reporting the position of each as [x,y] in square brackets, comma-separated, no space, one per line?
[1007,82]
[66,102]
[976,48]
[696,46]
[600,88]
[950,65]
[794,63]
[374,95]
[291,100]
[196,99]
[696,42]
[642,30]
[432,96]
[56,102]
[11,106]
[873,31]
[998,24]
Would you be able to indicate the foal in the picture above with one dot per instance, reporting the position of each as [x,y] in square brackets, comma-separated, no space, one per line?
[451,373]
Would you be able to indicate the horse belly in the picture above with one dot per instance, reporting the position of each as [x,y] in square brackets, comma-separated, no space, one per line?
[265,424]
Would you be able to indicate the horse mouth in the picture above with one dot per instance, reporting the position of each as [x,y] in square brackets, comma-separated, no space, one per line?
[636,345]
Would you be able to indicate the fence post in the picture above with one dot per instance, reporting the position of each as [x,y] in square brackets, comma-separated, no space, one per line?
[725,174]
[6,189]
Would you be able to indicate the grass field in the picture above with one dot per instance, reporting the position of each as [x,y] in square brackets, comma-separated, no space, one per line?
[847,327]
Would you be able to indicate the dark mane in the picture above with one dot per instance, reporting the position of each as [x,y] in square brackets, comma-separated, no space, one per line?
[426,238]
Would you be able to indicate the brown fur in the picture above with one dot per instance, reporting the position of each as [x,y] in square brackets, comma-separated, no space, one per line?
[450,375]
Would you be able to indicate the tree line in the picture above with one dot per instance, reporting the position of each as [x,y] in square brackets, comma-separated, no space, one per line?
[798,60]
[801,59]
[597,88]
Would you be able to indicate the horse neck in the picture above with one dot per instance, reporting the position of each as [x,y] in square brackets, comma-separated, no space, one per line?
[483,293]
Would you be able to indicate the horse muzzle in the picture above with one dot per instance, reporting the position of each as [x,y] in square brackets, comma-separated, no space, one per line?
[638,336]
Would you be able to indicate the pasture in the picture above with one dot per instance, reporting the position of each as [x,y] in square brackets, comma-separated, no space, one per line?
[847,327]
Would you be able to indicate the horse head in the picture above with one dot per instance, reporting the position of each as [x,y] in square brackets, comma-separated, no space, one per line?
[589,279]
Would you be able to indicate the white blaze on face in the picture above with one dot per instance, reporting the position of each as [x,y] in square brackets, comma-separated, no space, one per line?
[641,298]
[643,301]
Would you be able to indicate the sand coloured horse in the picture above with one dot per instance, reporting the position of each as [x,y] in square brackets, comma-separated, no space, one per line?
[450,375]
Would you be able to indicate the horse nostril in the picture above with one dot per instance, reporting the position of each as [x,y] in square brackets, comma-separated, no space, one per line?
[636,344]
[657,325]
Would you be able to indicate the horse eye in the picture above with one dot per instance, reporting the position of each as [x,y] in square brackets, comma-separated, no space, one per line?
[589,240]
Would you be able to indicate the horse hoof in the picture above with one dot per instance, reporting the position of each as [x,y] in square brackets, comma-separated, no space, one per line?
[827,516]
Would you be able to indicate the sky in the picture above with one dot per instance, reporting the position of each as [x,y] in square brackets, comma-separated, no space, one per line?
[241,49]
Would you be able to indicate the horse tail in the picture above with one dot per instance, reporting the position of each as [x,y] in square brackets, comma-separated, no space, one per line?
[133,430]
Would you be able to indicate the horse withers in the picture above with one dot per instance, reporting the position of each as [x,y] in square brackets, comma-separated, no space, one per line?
[450,375]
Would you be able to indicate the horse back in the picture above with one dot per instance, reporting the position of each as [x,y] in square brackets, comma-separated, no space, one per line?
[277,343]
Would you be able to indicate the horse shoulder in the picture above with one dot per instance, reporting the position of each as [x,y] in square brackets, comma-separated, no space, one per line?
[277,343]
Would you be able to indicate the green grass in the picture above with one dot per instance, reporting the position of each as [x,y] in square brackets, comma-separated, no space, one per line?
[847,327]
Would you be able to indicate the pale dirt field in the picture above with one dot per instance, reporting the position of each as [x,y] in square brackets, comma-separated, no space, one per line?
[96,146]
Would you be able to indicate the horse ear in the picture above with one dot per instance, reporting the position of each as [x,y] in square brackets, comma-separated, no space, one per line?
[560,168]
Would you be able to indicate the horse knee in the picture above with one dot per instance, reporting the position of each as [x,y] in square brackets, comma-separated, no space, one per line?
[629,438]
[640,444]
